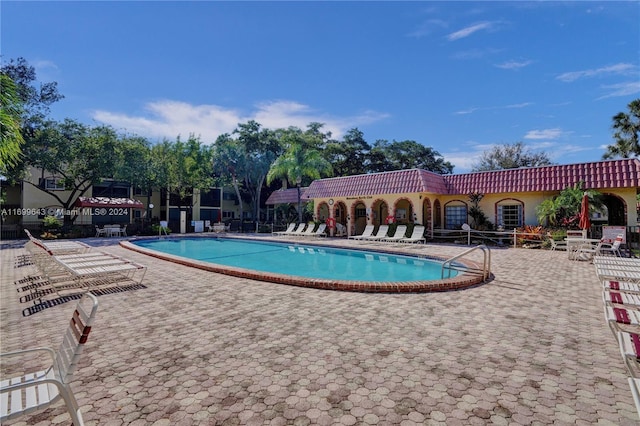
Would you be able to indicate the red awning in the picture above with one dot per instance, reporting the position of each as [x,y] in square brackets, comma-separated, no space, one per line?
[108,202]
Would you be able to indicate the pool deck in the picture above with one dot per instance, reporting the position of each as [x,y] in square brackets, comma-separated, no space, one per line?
[200,348]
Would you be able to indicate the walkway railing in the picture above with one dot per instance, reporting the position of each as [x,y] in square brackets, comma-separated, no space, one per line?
[486,264]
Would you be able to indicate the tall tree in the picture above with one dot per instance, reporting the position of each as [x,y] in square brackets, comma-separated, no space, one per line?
[408,154]
[510,156]
[229,164]
[36,98]
[184,169]
[348,156]
[11,139]
[74,154]
[298,163]
[626,128]
[261,147]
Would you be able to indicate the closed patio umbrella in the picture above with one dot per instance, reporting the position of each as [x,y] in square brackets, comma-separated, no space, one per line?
[585,220]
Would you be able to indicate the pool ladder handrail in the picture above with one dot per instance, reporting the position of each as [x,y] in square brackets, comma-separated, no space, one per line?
[486,264]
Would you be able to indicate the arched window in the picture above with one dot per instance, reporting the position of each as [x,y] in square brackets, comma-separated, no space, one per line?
[510,213]
[455,214]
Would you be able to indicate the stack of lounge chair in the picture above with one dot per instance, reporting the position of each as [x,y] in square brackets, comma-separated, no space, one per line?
[68,268]
[620,279]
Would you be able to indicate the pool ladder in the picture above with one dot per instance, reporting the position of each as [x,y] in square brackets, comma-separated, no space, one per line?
[486,264]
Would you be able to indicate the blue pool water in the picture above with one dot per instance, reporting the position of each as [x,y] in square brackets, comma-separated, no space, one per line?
[300,260]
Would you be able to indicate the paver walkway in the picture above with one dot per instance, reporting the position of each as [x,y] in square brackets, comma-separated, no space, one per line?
[198,348]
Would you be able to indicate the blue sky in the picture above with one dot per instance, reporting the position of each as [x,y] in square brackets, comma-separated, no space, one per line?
[459,77]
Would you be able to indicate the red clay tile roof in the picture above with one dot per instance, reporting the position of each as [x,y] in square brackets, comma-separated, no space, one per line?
[597,175]
[395,182]
[285,196]
[623,173]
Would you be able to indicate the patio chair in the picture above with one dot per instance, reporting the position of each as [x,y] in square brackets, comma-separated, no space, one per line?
[308,230]
[417,235]
[620,298]
[368,231]
[290,228]
[611,249]
[614,316]
[321,231]
[398,235]
[297,230]
[624,286]
[100,232]
[556,245]
[629,343]
[35,391]
[383,230]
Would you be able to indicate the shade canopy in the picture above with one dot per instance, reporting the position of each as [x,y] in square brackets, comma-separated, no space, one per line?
[585,219]
[107,202]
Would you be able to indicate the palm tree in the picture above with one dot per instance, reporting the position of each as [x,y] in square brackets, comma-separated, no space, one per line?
[298,163]
[627,133]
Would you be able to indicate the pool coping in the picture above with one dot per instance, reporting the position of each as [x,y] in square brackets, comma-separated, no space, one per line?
[463,280]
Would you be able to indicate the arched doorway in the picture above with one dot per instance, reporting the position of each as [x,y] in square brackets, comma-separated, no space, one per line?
[322,212]
[403,211]
[427,215]
[340,213]
[359,217]
[379,211]
[617,210]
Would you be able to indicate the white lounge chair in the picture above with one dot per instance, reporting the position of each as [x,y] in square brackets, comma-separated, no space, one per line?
[417,235]
[299,230]
[289,229]
[368,231]
[398,235]
[321,231]
[308,232]
[380,235]
[630,350]
[35,391]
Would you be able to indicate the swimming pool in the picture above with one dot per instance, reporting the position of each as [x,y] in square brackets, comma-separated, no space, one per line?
[305,264]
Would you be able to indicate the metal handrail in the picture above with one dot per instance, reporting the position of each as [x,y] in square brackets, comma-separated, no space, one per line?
[486,264]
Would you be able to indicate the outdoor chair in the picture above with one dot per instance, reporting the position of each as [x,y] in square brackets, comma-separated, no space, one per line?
[290,228]
[100,232]
[623,286]
[321,231]
[381,234]
[629,343]
[556,245]
[611,249]
[621,298]
[614,316]
[298,230]
[398,235]
[368,231]
[35,391]
[417,235]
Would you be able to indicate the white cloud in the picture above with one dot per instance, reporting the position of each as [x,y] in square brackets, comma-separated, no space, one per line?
[621,89]
[513,65]
[168,119]
[612,69]
[544,134]
[427,28]
[466,32]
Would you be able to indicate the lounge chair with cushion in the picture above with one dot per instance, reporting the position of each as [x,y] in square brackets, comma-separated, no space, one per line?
[417,235]
[398,235]
[368,231]
[35,391]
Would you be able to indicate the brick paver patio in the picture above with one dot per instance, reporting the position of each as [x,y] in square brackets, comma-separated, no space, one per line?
[199,348]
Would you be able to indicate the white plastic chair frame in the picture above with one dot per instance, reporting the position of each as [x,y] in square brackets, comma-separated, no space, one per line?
[35,391]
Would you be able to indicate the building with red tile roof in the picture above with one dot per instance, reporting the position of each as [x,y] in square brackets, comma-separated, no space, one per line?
[509,197]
